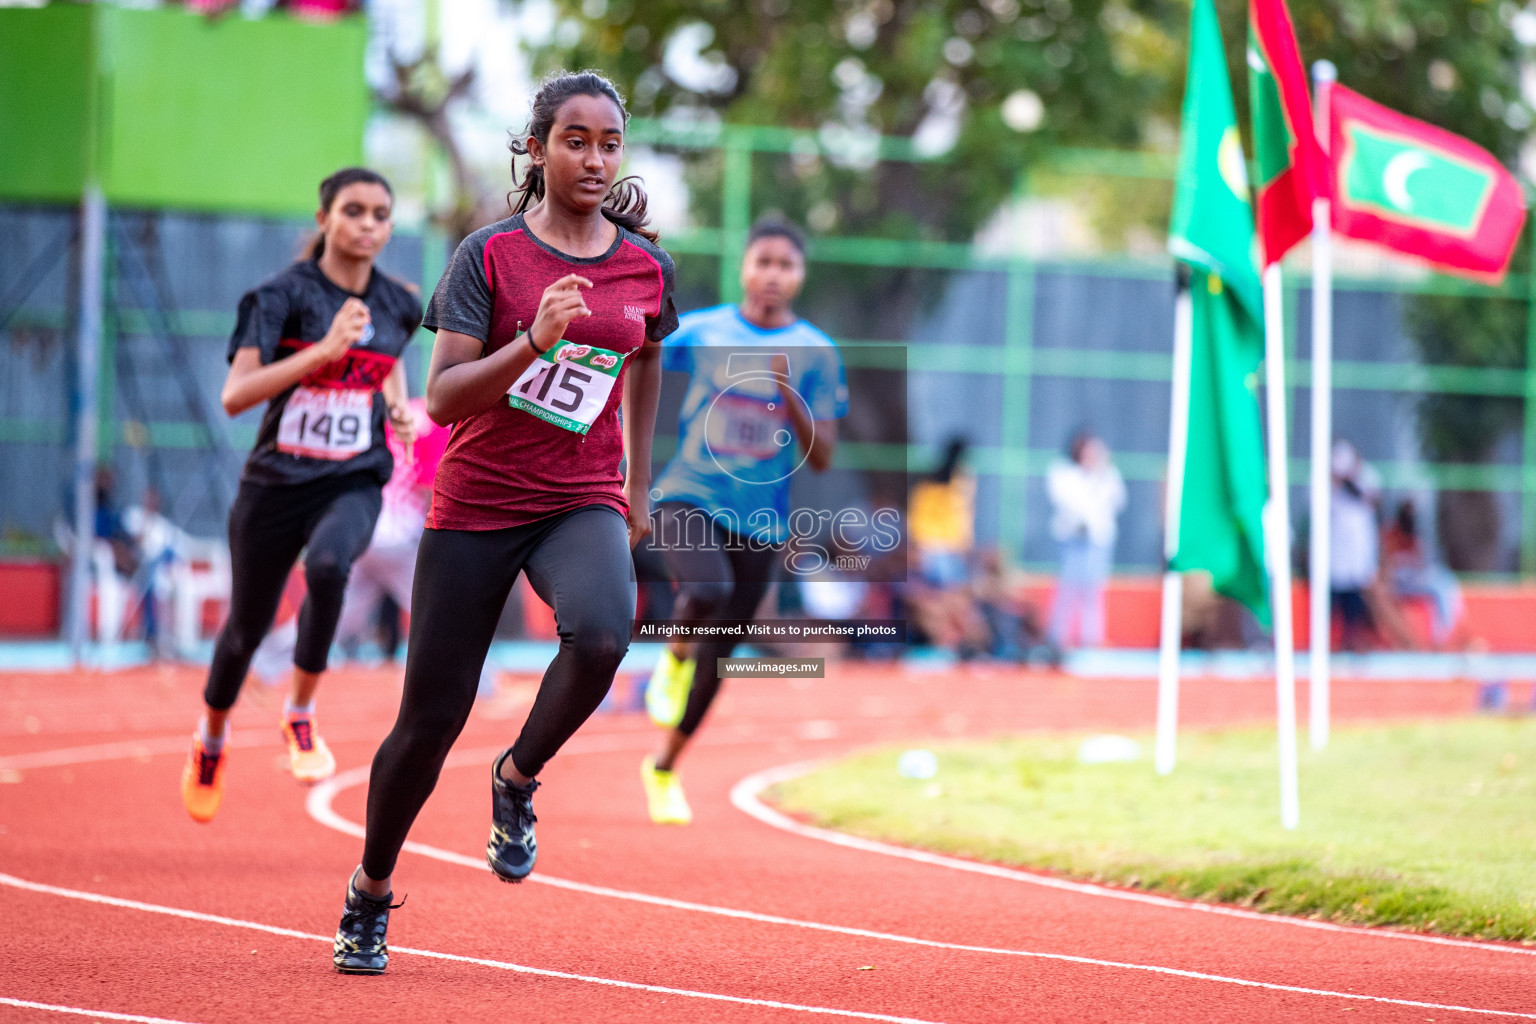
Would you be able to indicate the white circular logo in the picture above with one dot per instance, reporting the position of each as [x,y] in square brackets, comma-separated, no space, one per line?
[746,428]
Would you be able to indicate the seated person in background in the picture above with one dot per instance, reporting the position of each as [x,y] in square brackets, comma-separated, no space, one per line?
[1013,623]
[1407,571]
[941,522]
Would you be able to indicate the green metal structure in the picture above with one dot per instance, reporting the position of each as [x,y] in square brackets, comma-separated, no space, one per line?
[1023,361]
[1015,460]
[106,106]
[166,108]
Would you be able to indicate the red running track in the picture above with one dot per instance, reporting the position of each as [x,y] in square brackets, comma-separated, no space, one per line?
[114,903]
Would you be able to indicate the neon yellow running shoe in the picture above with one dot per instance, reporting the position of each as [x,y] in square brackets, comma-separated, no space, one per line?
[664,794]
[666,693]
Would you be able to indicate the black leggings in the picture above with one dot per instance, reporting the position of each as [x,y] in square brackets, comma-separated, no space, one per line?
[578,562]
[331,520]
[721,578]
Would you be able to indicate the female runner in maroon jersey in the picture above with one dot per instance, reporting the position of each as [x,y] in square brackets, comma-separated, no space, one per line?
[546,323]
[320,344]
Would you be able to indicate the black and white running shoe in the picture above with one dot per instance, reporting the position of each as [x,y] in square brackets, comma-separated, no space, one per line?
[512,848]
[360,947]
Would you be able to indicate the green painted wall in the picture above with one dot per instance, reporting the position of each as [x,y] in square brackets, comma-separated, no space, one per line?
[44,101]
[227,115]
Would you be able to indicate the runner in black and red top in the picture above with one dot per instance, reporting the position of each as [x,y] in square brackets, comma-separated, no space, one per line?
[320,344]
[547,323]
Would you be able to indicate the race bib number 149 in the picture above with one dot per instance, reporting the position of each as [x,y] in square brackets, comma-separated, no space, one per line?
[568,386]
[326,423]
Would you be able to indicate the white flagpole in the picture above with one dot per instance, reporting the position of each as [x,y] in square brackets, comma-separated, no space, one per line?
[93,233]
[1277,534]
[1173,500]
[1323,76]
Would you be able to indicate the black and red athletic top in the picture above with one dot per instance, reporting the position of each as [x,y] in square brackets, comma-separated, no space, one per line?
[332,421]
[505,467]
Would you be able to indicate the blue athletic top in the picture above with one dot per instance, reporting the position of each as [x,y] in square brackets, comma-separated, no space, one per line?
[736,451]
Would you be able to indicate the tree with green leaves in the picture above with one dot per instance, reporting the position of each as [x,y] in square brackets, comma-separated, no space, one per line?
[995,84]
[1455,63]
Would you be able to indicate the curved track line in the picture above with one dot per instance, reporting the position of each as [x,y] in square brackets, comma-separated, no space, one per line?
[321,797]
[78,1012]
[746,795]
[235,922]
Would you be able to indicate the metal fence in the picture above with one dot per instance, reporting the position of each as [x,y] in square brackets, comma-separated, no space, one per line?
[173,282]
[1013,352]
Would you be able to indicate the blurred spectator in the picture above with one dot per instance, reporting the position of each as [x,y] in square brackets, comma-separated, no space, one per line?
[1213,622]
[942,519]
[113,555]
[389,564]
[941,524]
[1354,544]
[109,524]
[1087,495]
[320,10]
[388,567]
[1409,572]
[158,542]
[178,573]
[1013,624]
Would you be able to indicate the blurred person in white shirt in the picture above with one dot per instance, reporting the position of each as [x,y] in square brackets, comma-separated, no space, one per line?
[1354,548]
[1087,495]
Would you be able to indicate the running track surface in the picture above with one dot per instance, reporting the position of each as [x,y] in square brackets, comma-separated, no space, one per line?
[116,906]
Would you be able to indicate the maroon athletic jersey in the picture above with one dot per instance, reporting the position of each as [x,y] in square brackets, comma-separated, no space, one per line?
[508,466]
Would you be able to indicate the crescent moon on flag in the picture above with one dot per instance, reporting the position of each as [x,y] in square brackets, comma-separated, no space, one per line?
[1231,165]
[1395,178]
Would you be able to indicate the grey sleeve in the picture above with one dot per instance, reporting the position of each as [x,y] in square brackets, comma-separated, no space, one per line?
[462,299]
[665,321]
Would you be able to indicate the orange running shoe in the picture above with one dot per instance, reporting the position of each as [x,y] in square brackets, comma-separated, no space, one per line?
[309,758]
[202,782]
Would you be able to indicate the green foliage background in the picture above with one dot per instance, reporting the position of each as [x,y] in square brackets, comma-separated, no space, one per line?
[1109,74]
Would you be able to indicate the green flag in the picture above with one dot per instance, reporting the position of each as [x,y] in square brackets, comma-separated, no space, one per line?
[1221,519]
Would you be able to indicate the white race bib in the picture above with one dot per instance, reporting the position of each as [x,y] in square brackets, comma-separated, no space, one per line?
[326,423]
[743,425]
[568,386]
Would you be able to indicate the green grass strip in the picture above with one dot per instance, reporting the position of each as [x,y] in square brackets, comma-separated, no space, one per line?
[1430,827]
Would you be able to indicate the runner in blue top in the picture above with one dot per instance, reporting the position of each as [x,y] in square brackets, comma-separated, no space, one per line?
[765,393]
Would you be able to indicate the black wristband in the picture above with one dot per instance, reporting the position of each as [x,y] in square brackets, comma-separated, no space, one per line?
[540,351]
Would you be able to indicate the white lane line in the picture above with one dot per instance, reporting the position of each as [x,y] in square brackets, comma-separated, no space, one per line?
[120,750]
[77,1011]
[290,933]
[746,795]
[321,798]
[124,749]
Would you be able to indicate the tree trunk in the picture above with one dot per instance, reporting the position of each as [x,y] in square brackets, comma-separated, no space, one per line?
[1468,524]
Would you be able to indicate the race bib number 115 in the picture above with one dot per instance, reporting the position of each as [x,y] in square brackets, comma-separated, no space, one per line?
[568,386]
